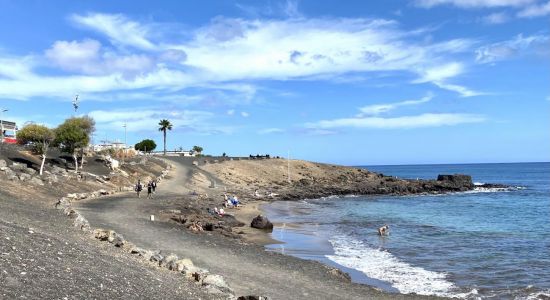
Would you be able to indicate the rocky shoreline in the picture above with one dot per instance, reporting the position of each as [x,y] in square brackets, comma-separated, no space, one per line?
[267,180]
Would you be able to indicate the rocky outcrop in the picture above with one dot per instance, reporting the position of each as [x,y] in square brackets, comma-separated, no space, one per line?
[458,180]
[261,222]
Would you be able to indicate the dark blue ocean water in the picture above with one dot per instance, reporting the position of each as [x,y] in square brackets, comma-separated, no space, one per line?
[488,244]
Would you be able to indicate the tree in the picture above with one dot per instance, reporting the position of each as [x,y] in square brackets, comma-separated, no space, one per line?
[165,125]
[39,137]
[146,145]
[74,134]
[88,125]
[197,149]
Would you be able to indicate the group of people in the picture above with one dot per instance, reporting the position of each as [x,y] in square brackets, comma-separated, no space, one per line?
[151,188]
[230,201]
[219,212]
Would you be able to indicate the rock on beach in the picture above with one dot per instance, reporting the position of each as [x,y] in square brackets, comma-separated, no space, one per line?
[261,222]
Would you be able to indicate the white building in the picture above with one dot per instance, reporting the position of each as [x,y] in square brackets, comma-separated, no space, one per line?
[109,145]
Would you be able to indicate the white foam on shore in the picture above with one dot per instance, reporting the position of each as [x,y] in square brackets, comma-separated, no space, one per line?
[537,295]
[382,265]
[494,189]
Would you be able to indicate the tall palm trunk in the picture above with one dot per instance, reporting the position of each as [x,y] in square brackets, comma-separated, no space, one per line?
[164,132]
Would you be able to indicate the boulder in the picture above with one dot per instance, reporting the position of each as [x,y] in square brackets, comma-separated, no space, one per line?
[141,252]
[182,264]
[59,171]
[18,166]
[457,180]
[24,177]
[29,171]
[3,163]
[62,203]
[169,261]
[52,178]
[36,181]
[81,223]
[119,241]
[199,274]
[101,234]
[9,172]
[261,222]
[157,258]
[109,236]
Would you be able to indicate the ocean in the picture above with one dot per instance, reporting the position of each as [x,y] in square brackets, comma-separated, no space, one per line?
[483,244]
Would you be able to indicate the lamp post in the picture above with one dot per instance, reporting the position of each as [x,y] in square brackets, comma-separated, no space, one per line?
[125,145]
[75,103]
[2,122]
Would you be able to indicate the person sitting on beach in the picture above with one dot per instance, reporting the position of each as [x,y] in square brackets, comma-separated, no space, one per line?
[384,230]
[235,201]
[221,212]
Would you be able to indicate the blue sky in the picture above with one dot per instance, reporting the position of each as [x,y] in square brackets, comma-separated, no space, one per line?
[365,82]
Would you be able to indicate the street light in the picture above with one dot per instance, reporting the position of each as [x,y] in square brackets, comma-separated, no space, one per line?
[125,145]
[2,122]
[75,103]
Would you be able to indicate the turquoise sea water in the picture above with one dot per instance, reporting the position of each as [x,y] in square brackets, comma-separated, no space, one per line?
[480,244]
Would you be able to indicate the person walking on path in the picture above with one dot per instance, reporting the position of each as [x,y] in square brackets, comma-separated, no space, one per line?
[138,187]
[154,185]
[150,190]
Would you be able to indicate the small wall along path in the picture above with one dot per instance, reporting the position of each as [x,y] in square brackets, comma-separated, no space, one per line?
[213,283]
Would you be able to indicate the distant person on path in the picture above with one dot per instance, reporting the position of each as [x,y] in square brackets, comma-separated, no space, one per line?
[384,230]
[138,187]
[150,190]
[154,185]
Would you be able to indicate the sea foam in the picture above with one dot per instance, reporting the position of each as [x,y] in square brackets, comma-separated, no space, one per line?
[382,265]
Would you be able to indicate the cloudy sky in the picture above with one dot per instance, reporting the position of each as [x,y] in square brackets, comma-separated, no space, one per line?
[354,82]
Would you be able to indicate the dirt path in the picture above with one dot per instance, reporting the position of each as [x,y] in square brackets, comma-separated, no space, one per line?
[248,269]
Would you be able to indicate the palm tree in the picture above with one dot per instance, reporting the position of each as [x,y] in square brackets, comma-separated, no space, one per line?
[165,125]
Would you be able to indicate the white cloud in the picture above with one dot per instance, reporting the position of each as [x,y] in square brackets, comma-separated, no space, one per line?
[299,48]
[474,3]
[527,8]
[536,10]
[404,122]
[118,28]
[73,54]
[462,90]
[441,73]
[496,18]
[271,130]
[507,49]
[87,57]
[302,48]
[376,109]
[439,76]
[244,114]
[230,112]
